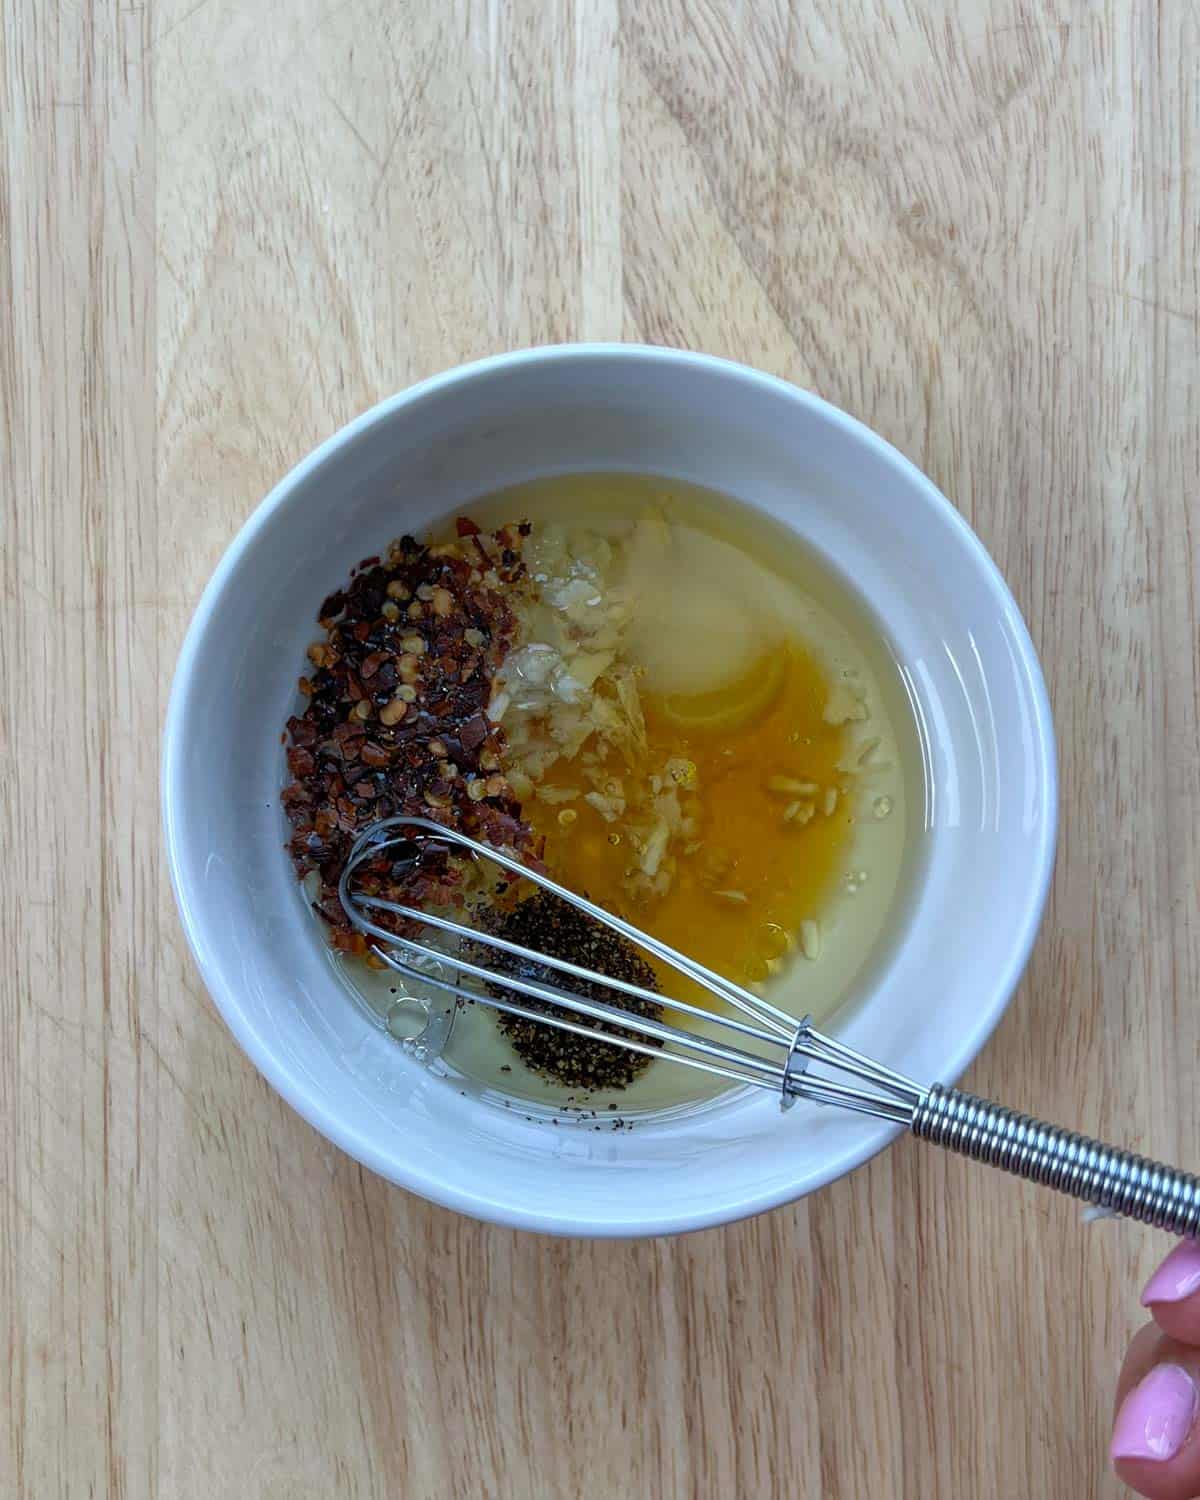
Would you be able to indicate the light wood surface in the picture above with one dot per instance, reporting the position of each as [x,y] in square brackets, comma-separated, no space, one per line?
[226,228]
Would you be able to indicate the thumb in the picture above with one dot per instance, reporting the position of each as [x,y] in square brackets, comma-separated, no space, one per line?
[1156,1434]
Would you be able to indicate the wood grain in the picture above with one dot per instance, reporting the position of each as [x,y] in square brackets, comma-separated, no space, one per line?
[224,230]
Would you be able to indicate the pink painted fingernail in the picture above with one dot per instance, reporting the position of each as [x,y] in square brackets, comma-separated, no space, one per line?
[1156,1416]
[1178,1276]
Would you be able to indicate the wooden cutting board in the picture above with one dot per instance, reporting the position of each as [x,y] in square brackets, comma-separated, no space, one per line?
[227,228]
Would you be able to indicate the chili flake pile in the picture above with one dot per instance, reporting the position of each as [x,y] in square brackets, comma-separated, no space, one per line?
[396,723]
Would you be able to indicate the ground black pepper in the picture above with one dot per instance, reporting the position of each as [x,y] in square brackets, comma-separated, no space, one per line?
[550,925]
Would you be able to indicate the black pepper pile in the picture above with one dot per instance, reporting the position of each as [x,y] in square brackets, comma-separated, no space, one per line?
[396,723]
[550,925]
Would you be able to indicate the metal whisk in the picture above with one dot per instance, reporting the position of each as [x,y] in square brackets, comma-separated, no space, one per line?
[759,1045]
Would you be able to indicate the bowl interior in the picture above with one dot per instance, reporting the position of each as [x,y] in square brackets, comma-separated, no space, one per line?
[989,813]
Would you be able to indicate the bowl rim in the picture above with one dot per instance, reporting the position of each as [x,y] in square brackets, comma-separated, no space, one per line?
[293,1089]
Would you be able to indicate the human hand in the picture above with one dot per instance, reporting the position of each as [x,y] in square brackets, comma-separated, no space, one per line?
[1156,1432]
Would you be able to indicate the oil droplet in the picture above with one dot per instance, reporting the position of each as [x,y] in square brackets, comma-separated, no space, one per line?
[773,942]
[614,839]
[407,1018]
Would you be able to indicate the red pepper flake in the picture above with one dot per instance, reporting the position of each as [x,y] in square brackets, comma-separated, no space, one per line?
[474,731]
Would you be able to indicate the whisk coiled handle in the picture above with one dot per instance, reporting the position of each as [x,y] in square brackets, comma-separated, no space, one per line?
[1074,1164]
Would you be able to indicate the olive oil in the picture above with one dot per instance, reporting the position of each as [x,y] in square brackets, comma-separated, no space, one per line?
[769,691]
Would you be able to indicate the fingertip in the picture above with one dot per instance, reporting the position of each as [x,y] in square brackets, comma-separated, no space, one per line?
[1157,1416]
[1154,1481]
[1172,1294]
[1155,1448]
[1179,1321]
[1177,1279]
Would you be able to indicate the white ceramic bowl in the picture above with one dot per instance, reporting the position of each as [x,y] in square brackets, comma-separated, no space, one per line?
[990,813]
